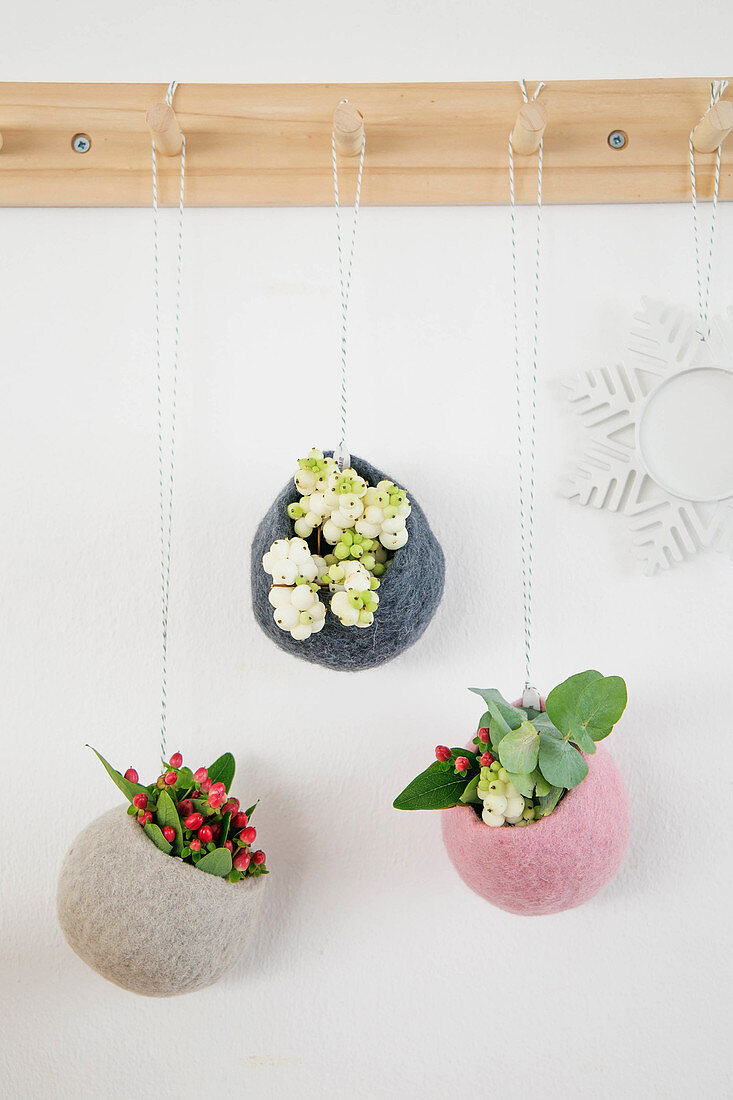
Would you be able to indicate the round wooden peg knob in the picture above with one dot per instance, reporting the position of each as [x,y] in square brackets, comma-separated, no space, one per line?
[166,132]
[348,129]
[712,130]
[529,128]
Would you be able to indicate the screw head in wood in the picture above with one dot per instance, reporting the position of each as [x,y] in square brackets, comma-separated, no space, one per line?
[81,143]
[617,139]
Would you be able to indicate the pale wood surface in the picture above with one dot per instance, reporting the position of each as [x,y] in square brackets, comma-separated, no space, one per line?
[426,143]
[713,129]
[529,128]
[348,129]
[166,132]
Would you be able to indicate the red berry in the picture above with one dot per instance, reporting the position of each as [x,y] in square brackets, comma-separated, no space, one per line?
[219,788]
[169,833]
[170,778]
[144,817]
[239,821]
[258,857]
[205,833]
[206,784]
[216,799]
[160,782]
[486,759]
[195,845]
[461,764]
[215,830]
[132,775]
[442,752]
[248,835]
[200,775]
[483,734]
[231,806]
[241,861]
[140,800]
[194,821]
[228,844]
[185,807]
[176,760]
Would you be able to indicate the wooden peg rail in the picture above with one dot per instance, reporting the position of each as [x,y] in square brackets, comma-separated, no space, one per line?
[426,144]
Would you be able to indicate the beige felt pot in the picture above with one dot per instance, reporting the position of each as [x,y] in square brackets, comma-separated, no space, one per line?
[145,920]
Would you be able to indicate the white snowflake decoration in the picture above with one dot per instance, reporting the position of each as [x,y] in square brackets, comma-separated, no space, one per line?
[613,473]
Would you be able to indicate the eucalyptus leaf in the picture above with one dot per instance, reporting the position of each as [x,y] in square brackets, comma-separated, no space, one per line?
[560,762]
[549,801]
[157,837]
[562,702]
[167,814]
[544,724]
[218,862]
[525,784]
[513,716]
[436,788]
[601,705]
[583,740]
[222,770]
[128,789]
[470,795]
[498,726]
[519,748]
[542,787]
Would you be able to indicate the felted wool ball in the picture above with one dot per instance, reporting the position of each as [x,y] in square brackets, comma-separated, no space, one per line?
[555,863]
[409,592]
[145,920]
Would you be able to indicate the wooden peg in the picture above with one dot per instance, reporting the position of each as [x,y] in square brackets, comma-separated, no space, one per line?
[529,128]
[714,127]
[163,125]
[348,128]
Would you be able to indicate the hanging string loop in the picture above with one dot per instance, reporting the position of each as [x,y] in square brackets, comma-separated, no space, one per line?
[526,407]
[704,279]
[166,440]
[345,265]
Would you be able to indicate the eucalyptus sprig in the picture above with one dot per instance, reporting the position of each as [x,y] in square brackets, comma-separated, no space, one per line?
[522,754]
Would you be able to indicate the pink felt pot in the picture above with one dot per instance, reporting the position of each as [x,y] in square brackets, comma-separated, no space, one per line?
[553,864]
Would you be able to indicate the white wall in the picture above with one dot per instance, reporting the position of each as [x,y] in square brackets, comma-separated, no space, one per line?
[375,973]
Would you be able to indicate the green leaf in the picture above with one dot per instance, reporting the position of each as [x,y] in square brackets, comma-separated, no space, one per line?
[513,716]
[583,740]
[525,784]
[543,724]
[252,809]
[224,835]
[560,762]
[218,862]
[222,770]
[167,814]
[542,787]
[436,788]
[185,778]
[562,702]
[157,837]
[601,705]
[470,795]
[549,801]
[128,789]
[498,726]
[518,749]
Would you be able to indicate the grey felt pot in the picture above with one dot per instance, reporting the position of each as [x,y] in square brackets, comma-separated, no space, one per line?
[409,594]
[145,920]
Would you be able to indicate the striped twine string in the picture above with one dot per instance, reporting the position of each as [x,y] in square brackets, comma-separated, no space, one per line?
[341,454]
[703,282]
[166,471]
[526,434]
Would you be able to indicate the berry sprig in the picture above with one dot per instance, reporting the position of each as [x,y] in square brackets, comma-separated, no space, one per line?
[363,525]
[525,761]
[192,816]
